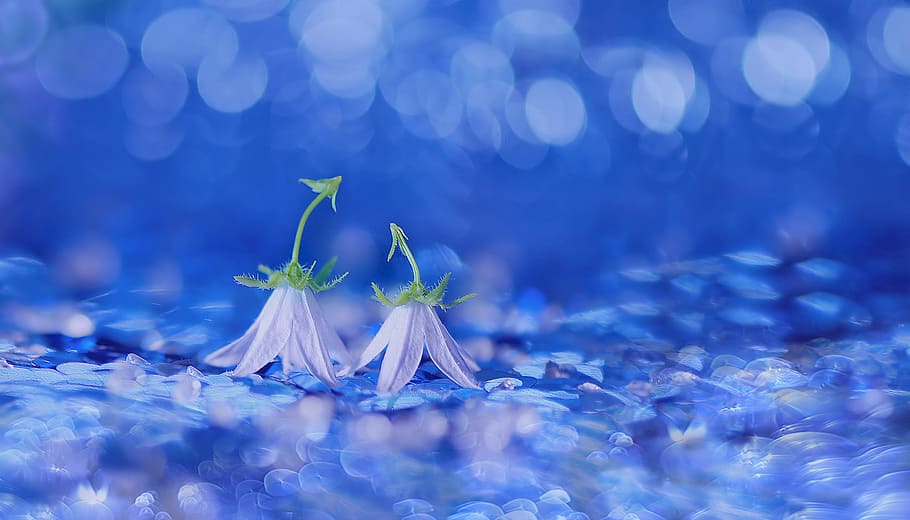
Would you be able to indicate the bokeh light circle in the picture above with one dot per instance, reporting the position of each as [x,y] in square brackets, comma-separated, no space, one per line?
[344,41]
[81,62]
[436,108]
[896,37]
[477,62]
[834,80]
[706,21]
[783,60]
[536,35]
[153,143]
[778,69]
[343,30]
[658,98]
[555,111]
[247,10]
[346,80]
[232,87]
[154,97]
[23,25]
[568,10]
[188,36]
[802,28]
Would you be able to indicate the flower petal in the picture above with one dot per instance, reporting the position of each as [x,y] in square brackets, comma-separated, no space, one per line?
[291,356]
[307,342]
[405,350]
[326,332]
[272,335]
[447,354]
[379,341]
[233,351]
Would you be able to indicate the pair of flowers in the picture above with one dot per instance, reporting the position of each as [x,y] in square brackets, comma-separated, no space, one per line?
[293,326]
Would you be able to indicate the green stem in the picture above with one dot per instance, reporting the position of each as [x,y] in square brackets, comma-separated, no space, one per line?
[400,239]
[295,254]
[410,256]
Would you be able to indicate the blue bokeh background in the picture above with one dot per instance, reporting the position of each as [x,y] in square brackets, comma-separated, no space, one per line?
[534,143]
[686,220]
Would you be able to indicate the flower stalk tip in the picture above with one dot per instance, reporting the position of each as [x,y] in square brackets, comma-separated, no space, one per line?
[323,188]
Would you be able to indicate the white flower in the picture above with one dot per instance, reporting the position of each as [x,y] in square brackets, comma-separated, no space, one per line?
[291,325]
[406,330]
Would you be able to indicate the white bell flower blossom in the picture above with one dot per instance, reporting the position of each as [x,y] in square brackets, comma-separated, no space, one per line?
[291,325]
[412,325]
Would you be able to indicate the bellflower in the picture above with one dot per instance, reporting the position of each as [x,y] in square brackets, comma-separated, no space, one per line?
[413,324]
[291,325]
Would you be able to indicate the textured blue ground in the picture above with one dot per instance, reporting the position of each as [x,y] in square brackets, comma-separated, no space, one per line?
[727,386]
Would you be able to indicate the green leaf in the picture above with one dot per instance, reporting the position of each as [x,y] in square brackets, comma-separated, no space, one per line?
[266,270]
[380,296]
[459,301]
[325,272]
[249,281]
[328,186]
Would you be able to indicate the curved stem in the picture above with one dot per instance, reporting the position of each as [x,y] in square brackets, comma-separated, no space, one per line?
[410,256]
[400,239]
[295,254]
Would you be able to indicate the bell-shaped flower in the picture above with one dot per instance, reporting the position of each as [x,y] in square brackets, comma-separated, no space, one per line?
[412,325]
[291,325]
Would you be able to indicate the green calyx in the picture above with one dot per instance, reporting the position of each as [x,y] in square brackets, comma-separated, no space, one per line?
[296,276]
[293,273]
[415,291]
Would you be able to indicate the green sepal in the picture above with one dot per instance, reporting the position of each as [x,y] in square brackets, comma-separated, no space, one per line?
[436,293]
[276,279]
[296,276]
[380,296]
[319,287]
[323,274]
[459,301]
[408,295]
[417,292]
[249,281]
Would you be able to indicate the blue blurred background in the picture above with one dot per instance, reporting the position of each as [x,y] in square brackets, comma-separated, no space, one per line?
[686,219]
[521,143]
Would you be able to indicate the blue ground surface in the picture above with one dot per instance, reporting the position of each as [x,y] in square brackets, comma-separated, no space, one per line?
[728,386]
